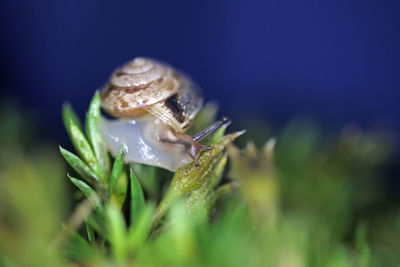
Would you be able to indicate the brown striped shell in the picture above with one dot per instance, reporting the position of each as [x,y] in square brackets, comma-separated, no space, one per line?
[144,85]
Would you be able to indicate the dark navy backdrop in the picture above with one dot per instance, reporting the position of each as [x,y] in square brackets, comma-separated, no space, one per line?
[336,60]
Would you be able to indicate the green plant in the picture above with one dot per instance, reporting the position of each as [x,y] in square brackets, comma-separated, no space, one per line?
[300,200]
[106,186]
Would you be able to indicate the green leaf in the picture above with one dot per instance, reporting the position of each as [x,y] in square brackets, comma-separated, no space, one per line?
[69,116]
[78,139]
[90,233]
[218,193]
[97,224]
[217,135]
[95,138]
[117,233]
[218,171]
[90,194]
[140,228]
[189,178]
[120,190]
[77,248]
[197,198]
[148,178]
[79,166]
[361,245]
[182,231]
[117,169]
[137,197]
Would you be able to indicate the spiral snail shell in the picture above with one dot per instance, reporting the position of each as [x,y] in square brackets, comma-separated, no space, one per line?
[153,105]
[147,86]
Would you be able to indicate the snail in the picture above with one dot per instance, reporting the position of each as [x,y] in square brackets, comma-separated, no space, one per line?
[153,105]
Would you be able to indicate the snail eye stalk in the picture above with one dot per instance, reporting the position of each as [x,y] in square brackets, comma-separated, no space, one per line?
[213,127]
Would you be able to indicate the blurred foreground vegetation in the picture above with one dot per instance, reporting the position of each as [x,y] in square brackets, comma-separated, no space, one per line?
[301,199]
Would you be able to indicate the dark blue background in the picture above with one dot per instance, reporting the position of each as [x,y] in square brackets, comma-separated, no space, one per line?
[338,61]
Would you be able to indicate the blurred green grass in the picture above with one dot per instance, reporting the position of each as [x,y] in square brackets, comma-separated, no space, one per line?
[309,200]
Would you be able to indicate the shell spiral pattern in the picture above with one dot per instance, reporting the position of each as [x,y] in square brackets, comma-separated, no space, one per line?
[139,83]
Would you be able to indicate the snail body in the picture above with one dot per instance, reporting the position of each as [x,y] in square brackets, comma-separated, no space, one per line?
[140,142]
[153,105]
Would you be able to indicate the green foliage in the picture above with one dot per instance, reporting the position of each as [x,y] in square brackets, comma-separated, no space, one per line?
[99,147]
[33,204]
[117,169]
[300,200]
[81,144]
[137,197]
[79,166]
[90,194]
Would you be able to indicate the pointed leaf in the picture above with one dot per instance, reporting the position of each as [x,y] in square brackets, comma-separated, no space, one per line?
[137,197]
[90,233]
[147,176]
[78,139]
[79,166]
[140,228]
[120,190]
[117,232]
[189,177]
[94,136]
[196,198]
[218,193]
[70,117]
[117,169]
[90,194]
[77,248]
[97,224]
[217,135]
[218,171]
